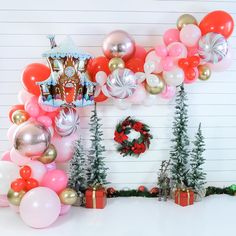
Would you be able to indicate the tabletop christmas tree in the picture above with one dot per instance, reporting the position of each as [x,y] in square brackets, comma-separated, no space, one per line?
[179,153]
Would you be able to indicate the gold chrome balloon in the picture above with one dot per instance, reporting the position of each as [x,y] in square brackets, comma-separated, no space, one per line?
[49,155]
[19,117]
[184,20]
[14,198]
[68,196]
[116,63]
[204,72]
[155,89]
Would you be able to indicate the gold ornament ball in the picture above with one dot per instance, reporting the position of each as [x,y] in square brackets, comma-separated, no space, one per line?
[14,198]
[184,20]
[157,89]
[49,155]
[68,196]
[19,117]
[116,63]
[204,72]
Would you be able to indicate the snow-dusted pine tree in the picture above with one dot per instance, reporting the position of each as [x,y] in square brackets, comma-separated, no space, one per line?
[197,177]
[96,172]
[77,168]
[179,153]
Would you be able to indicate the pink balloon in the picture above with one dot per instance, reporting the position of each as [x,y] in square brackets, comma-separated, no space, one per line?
[17,158]
[3,201]
[190,35]
[169,92]
[151,56]
[167,63]
[140,52]
[187,81]
[11,132]
[6,156]
[32,107]
[45,107]
[64,147]
[45,120]
[38,170]
[64,209]
[192,51]
[170,36]
[56,180]
[24,96]
[40,207]
[139,95]
[16,209]
[175,50]
[178,45]
[51,166]
[161,51]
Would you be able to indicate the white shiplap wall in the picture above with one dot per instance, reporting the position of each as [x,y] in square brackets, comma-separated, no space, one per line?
[23,26]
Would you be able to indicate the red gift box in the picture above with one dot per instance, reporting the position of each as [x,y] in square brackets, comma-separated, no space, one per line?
[95,198]
[184,197]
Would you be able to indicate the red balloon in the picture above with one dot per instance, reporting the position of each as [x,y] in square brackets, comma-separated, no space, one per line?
[98,64]
[140,52]
[18,185]
[15,108]
[33,73]
[218,22]
[194,61]
[31,183]
[190,73]
[183,63]
[135,64]
[101,97]
[25,172]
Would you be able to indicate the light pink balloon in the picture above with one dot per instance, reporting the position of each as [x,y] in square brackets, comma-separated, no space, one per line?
[64,147]
[161,51]
[38,170]
[40,207]
[56,180]
[139,95]
[24,96]
[6,156]
[167,63]
[17,158]
[11,133]
[51,166]
[170,36]
[45,107]
[45,120]
[3,201]
[190,35]
[175,50]
[178,45]
[16,209]
[64,209]
[151,56]
[32,107]
[192,51]
[140,52]
[169,92]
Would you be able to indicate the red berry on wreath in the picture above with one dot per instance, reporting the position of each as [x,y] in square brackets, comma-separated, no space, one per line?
[154,190]
[142,188]
[110,191]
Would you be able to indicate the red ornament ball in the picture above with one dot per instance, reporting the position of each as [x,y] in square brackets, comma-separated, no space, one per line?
[154,190]
[111,191]
[142,188]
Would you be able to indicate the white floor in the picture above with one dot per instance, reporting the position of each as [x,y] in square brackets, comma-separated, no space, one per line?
[214,216]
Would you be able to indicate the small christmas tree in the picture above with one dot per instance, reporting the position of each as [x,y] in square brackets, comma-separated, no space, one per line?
[77,169]
[179,153]
[197,176]
[96,166]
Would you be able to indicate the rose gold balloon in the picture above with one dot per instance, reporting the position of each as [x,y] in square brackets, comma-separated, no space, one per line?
[118,44]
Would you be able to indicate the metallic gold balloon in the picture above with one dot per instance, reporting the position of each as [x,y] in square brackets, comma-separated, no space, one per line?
[15,197]
[49,155]
[19,117]
[32,139]
[116,63]
[204,72]
[68,196]
[185,20]
[154,84]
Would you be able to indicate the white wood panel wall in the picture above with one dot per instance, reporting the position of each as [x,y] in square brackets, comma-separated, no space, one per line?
[23,28]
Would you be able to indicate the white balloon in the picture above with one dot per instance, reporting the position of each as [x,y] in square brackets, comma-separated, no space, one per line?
[8,173]
[101,77]
[174,77]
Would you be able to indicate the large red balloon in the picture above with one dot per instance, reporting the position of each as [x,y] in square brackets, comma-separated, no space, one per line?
[15,108]
[33,73]
[101,97]
[135,64]
[219,22]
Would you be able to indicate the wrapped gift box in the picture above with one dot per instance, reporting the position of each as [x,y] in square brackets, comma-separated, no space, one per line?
[184,197]
[95,198]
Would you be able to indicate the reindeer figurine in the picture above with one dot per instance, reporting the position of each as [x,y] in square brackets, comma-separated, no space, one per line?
[163,181]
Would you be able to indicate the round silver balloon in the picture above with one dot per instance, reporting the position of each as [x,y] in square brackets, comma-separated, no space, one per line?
[212,47]
[121,83]
[67,121]
[118,44]
[32,139]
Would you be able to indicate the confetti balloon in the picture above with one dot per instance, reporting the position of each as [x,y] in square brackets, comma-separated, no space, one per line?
[67,121]
[212,48]
[121,83]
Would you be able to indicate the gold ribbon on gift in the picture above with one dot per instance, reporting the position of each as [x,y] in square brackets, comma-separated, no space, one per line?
[94,189]
[188,195]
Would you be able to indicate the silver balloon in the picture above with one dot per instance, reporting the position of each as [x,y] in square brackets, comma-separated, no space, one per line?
[32,139]
[121,83]
[118,44]
[67,121]
[212,47]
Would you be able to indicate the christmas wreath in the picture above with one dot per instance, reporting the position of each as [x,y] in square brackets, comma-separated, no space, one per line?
[135,146]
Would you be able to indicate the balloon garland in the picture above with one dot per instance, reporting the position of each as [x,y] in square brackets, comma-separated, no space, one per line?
[136,146]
